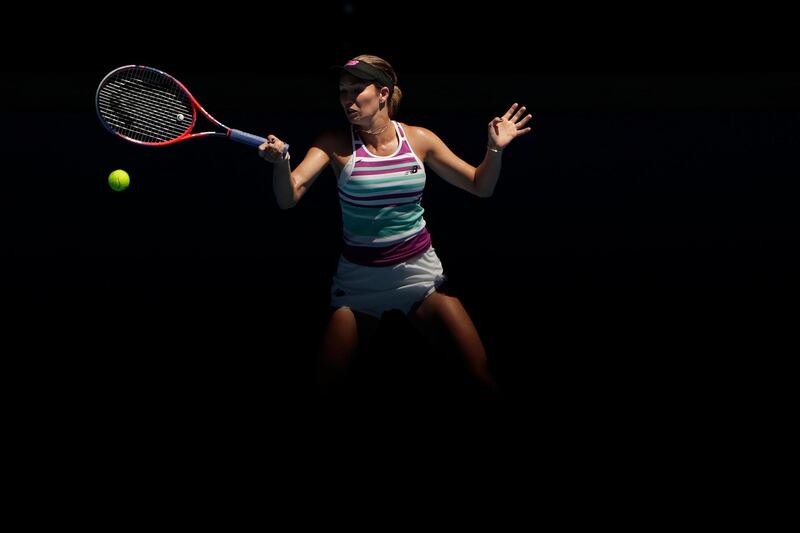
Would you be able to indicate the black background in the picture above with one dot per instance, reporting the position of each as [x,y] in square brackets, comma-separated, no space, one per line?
[637,263]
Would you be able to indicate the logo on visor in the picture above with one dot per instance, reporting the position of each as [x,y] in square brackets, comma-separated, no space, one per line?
[351,63]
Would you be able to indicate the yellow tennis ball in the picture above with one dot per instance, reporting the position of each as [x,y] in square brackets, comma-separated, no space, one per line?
[119,180]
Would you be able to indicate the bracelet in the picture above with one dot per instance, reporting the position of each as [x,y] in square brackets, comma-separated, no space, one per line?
[495,150]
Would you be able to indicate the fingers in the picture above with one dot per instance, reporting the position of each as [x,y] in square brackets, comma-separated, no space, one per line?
[272,150]
[518,120]
[524,121]
[515,114]
[510,111]
[270,141]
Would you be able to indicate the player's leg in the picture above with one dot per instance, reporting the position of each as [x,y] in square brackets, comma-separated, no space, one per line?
[346,335]
[443,319]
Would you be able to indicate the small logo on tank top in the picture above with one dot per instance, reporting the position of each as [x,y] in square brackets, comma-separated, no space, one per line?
[413,170]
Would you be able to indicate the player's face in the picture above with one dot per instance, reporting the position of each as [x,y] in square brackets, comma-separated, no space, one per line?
[360,99]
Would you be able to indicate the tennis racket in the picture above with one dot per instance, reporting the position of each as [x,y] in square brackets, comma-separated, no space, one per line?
[147,106]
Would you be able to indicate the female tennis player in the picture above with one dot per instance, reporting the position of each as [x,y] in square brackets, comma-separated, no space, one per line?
[387,260]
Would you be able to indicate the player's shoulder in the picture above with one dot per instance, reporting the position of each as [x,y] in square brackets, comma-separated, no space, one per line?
[409,129]
[418,134]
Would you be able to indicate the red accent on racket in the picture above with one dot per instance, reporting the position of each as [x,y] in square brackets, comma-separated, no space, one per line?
[147,106]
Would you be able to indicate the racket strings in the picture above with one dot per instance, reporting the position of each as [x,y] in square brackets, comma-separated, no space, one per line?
[146,109]
[157,104]
[145,106]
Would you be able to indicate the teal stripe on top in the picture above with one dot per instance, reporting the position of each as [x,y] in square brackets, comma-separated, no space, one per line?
[380,225]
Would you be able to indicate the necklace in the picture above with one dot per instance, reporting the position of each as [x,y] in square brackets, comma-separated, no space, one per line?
[379,130]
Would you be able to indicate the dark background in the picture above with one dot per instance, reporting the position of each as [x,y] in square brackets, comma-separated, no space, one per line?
[638,259]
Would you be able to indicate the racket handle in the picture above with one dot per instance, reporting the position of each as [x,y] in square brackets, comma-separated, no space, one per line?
[251,140]
[246,138]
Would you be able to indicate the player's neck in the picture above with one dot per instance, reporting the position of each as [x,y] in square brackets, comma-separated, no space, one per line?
[378,134]
[377,127]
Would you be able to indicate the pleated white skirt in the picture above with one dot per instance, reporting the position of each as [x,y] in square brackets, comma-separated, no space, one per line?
[375,290]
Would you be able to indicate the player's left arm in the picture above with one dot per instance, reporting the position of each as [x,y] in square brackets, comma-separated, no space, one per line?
[480,180]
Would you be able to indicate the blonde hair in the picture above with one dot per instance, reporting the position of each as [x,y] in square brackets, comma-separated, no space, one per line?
[397,94]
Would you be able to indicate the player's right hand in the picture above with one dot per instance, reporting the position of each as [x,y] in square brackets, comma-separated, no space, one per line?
[272,150]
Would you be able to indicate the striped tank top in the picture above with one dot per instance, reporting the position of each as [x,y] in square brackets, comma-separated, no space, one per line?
[381,211]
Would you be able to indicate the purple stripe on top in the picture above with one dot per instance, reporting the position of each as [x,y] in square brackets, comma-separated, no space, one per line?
[381,196]
[379,206]
[379,163]
[408,169]
[388,255]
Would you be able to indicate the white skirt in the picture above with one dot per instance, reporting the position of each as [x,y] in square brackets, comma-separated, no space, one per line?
[374,290]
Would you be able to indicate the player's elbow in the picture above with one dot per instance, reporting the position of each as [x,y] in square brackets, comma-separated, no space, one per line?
[286,201]
[484,193]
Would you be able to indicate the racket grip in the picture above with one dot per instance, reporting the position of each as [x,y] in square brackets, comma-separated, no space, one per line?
[251,140]
[246,138]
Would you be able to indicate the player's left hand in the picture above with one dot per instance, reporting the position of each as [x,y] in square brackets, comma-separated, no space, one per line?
[503,130]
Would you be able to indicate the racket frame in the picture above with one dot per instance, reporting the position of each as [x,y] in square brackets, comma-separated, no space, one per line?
[232,134]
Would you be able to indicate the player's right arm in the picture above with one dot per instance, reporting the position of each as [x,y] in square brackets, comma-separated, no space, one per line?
[290,185]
